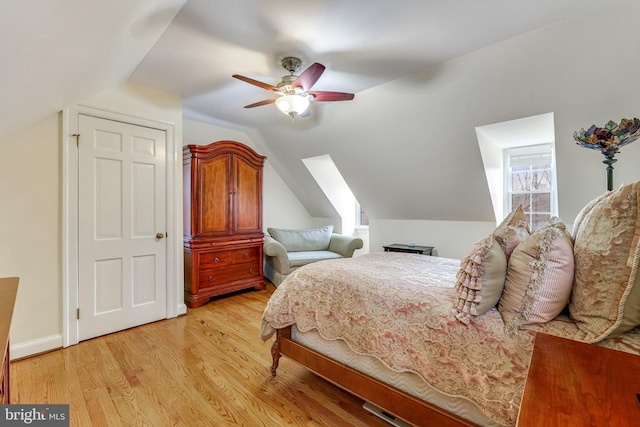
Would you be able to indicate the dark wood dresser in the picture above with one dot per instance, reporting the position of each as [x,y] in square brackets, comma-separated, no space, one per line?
[8,292]
[223,236]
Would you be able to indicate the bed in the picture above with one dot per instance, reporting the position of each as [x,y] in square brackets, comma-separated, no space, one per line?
[393,329]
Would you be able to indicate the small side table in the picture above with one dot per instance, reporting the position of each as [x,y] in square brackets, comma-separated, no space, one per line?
[396,247]
[571,383]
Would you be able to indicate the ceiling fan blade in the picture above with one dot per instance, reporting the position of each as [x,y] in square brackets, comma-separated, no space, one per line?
[258,104]
[321,96]
[257,83]
[309,77]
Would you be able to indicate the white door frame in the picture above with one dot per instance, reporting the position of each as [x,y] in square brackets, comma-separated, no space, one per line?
[174,268]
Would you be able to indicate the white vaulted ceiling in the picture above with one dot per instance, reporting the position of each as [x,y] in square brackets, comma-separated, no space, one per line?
[406,144]
[362,43]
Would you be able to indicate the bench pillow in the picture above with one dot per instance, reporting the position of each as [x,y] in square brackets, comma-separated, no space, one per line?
[315,239]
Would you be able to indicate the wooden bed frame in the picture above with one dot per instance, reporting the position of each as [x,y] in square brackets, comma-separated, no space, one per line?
[391,399]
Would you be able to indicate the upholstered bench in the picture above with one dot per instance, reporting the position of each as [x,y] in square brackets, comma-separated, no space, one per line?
[286,250]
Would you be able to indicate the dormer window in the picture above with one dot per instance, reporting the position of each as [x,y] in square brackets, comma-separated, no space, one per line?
[519,163]
[530,180]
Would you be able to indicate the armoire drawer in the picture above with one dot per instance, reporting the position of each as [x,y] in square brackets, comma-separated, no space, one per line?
[218,276]
[251,255]
[216,259]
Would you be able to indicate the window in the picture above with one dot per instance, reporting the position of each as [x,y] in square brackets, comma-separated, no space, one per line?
[362,219]
[530,180]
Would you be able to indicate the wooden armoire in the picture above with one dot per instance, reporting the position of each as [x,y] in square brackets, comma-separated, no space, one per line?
[222,220]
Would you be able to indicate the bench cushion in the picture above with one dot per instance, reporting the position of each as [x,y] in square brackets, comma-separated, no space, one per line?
[297,259]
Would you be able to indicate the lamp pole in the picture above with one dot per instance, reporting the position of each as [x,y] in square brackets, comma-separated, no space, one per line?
[609,161]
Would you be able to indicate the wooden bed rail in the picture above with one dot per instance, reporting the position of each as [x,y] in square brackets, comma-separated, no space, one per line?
[391,399]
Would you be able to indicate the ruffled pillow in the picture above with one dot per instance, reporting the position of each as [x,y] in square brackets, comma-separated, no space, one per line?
[480,280]
[539,277]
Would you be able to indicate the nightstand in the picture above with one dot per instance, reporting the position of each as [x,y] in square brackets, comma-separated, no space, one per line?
[571,383]
[396,247]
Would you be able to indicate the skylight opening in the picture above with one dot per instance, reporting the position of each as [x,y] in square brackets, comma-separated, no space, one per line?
[330,180]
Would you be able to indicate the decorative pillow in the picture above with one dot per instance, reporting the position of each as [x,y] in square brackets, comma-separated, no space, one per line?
[510,236]
[539,277]
[480,280]
[584,212]
[515,218]
[605,301]
[316,239]
[512,230]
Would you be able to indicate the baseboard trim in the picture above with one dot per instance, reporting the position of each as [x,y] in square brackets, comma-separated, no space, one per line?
[31,348]
[182,309]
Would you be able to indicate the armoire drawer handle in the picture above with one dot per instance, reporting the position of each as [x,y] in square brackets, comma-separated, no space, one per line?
[211,278]
[216,259]
[246,255]
[251,270]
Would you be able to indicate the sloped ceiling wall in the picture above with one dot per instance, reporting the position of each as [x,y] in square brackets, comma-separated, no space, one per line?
[408,148]
[55,53]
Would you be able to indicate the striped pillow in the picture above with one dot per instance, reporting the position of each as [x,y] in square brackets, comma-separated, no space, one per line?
[539,277]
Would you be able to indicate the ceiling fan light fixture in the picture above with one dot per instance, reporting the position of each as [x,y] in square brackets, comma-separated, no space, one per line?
[292,105]
[294,91]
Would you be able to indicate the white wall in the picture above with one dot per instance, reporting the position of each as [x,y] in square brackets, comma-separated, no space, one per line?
[281,208]
[450,239]
[31,225]
[364,235]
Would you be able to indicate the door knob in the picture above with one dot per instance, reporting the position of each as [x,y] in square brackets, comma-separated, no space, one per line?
[159,235]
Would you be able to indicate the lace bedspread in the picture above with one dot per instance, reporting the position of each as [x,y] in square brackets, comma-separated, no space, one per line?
[398,308]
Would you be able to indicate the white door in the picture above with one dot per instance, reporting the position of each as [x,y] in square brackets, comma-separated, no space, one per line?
[122,224]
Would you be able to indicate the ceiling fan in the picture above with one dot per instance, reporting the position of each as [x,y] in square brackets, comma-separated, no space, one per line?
[294,91]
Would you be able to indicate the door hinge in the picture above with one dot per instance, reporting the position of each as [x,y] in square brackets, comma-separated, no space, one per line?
[78,314]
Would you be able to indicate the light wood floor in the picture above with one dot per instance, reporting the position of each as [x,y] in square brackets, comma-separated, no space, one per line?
[208,368]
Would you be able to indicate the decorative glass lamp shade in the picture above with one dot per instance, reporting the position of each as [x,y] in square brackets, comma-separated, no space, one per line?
[608,140]
[292,105]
